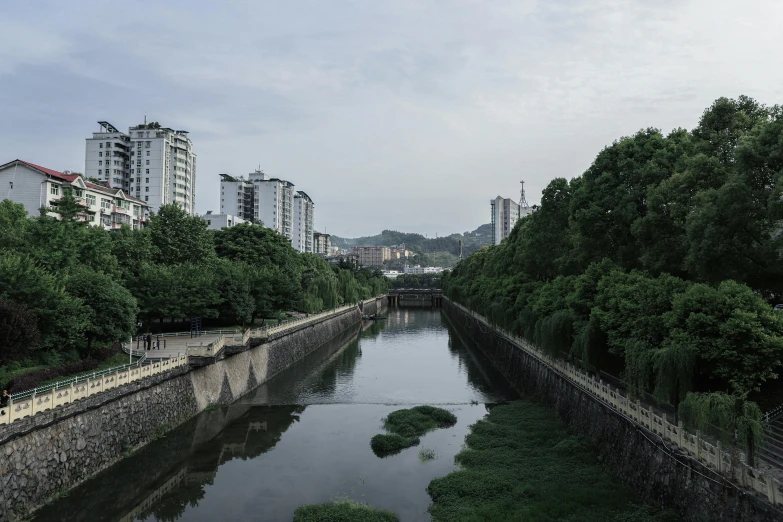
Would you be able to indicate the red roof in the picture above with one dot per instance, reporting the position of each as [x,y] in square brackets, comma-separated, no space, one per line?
[54,173]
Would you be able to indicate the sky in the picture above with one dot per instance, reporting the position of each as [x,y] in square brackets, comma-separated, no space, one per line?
[404,115]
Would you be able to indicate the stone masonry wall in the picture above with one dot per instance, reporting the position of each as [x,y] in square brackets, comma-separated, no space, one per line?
[631,452]
[47,454]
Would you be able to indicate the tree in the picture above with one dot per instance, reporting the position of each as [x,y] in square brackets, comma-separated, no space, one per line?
[111,308]
[18,331]
[62,318]
[66,207]
[736,335]
[179,238]
[233,283]
[132,248]
[13,221]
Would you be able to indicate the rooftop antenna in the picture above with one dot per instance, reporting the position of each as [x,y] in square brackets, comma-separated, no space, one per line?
[522,200]
[145,118]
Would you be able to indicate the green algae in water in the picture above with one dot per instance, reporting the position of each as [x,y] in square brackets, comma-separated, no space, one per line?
[343,511]
[521,463]
[407,425]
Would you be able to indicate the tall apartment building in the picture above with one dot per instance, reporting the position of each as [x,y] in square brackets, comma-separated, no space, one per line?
[303,222]
[505,213]
[273,201]
[321,243]
[153,163]
[371,255]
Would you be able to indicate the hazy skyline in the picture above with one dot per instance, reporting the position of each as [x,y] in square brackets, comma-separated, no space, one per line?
[402,115]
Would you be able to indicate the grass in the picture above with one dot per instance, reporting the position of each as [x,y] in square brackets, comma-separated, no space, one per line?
[342,511]
[521,463]
[406,426]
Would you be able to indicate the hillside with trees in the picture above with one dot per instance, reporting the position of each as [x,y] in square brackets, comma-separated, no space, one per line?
[438,251]
[659,266]
[69,291]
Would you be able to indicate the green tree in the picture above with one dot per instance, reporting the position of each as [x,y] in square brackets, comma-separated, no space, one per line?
[18,331]
[179,238]
[62,318]
[13,221]
[111,308]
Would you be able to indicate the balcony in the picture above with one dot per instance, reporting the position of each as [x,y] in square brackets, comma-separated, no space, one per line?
[119,210]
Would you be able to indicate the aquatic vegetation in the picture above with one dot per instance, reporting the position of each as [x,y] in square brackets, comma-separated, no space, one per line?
[406,426]
[343,511]
[426,454]
[521,463]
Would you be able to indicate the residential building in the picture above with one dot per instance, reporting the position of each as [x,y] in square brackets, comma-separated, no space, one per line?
[221,221]
[237,197]
[505,213]
[107,156]
[371,255]
[156,164]
[101,205]
[322,244]
[303,222]
[272,201]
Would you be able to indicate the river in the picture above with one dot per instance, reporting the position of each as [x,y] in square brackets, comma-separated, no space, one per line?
[304,437]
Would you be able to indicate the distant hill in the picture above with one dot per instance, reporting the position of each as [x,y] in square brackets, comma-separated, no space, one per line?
[436,251]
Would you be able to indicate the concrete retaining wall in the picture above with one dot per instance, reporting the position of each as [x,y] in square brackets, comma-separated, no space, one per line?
[658,474]
[47,454]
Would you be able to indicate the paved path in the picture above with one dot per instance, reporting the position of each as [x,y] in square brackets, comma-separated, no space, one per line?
[175,345]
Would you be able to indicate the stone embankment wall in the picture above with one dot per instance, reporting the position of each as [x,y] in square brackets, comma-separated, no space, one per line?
[660,475]
[49,453]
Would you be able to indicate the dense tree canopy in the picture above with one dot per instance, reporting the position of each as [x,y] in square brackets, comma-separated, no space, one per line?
[79,288]
[658,264]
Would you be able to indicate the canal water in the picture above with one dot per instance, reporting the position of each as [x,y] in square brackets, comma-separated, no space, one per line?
[304,437]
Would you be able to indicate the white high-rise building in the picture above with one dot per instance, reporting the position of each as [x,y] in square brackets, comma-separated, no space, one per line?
[158,163]
[272,201]
[107,156]
[303,222]
[505,214]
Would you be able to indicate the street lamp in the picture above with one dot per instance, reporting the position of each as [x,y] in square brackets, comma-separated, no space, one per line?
[130,352]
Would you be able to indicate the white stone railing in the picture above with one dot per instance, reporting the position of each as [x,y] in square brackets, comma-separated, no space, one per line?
[28,403]
[270,330]
[713,456]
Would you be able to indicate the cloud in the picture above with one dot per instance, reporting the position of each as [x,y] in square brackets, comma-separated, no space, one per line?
[368,106]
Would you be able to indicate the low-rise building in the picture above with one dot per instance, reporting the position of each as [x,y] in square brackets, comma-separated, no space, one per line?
[221,221]
[34,187]
[371,255]
[423,269]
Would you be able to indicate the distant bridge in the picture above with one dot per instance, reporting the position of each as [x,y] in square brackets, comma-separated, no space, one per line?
[431,297]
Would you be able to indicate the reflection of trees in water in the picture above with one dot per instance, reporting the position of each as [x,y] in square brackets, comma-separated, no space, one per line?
[481,374]
[258,431]
[165,477]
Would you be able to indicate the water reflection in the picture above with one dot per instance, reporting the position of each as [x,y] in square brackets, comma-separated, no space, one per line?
[304,437]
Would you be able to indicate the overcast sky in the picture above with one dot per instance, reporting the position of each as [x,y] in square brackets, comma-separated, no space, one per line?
[407,115]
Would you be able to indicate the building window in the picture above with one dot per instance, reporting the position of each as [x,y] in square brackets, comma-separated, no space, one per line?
[146,189]
[100,162]
[138,180]
[146,180]
[146,198]
[100,145]
[108,145]
[99,171]
[54,190]
[148,171]
[90,199]
[138,171]
[148,153]
[100,154]
[148,161]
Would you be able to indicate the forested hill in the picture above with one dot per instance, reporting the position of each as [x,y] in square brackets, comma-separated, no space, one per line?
[471,241]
